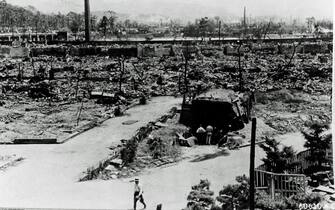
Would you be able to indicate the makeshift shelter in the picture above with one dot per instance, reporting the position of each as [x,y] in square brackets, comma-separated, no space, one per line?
[222,111]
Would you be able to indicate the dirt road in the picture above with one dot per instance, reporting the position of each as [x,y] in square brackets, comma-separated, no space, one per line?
[48,176]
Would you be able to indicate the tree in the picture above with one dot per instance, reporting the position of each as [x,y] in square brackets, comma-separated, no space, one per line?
[75,22]
[201,197]
[94,26]
[191,30]
[121,61]
[310,24]
[317,144]
[325,24]
[217,20]
[112,21]
[206,26]
[277,160]
[236,194]
[103,24]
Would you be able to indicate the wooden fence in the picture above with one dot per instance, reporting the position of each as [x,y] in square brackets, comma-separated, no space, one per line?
[280,184]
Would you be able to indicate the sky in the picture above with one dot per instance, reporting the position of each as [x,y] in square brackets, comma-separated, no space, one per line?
[192,8]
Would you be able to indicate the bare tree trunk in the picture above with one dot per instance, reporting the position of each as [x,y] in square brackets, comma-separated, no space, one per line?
[79,113]
[240,67]
[121,63]
[77,85]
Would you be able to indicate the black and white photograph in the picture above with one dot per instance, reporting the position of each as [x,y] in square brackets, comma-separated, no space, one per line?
[166,104]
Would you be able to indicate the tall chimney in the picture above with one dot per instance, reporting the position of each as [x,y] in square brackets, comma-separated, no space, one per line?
[87,20]
[245,21]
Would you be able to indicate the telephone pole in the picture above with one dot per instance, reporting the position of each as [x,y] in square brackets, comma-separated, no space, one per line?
[252,166]
[219,30]
[87,20]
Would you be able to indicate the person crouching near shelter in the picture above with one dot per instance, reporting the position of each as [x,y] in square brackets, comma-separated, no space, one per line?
[138,194]
[209,131]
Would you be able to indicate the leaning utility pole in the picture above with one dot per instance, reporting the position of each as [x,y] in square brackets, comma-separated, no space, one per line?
[87,20]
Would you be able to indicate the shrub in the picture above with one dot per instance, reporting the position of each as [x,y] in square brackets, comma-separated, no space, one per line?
[216,208]
[128,153]
[156,147]
[237,193]
[200,198]
[265,202]
[294,201]
[143,100]
[276,158]
[317,143]
[117,111]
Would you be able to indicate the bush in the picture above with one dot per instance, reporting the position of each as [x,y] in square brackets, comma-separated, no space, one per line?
[294,201]
[128,153]
[239,194]
[276,157]
[265,202]
[117,111]
[156,147]
[216,208]
[143,100]
[200,198]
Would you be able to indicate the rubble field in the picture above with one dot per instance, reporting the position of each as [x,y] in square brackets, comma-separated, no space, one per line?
[55,97]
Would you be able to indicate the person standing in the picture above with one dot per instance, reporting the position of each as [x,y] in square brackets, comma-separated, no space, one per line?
[209,130]
[201,132]
[138,194]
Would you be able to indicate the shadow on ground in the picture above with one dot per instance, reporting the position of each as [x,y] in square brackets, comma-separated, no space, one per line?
[210,156]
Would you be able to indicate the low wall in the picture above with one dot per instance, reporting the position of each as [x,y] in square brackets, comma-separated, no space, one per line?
[14,52]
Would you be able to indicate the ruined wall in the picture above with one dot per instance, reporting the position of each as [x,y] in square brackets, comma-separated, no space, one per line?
[4,51]
[14,52]
[51,51]
[127,52]
[153,50]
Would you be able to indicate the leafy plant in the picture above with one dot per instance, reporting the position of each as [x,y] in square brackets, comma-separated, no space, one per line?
[128,153]
[265,202]
[317,144]
[156,147]
[200,198]
[236,194]
[276,159]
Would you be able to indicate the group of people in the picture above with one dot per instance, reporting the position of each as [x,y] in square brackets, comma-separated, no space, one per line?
[224,136]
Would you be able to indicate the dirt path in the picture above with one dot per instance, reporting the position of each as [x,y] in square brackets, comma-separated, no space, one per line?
[49,172]
[48,176]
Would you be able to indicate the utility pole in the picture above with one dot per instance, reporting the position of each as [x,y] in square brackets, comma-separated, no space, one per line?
[252,165]
[219,30]
[87,20]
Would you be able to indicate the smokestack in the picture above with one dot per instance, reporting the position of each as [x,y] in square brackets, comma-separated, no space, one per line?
[87,20]
[245,22]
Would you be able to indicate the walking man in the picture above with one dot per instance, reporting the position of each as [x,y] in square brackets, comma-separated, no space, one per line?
[138,194]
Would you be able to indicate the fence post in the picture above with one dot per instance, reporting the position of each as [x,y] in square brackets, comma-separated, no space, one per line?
[272,186]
